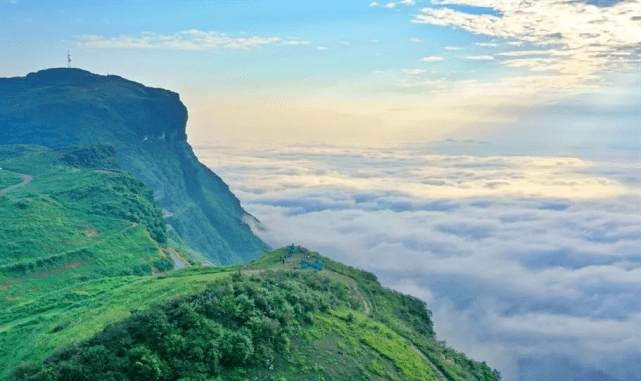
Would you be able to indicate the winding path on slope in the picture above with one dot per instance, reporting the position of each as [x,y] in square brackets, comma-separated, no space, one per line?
[366,306]
[26,179]
[179,262]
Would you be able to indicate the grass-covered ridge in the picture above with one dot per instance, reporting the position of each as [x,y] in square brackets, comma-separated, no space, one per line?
[268,320]
[72,222]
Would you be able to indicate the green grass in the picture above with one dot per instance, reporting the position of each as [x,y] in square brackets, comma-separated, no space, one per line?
[31,331]
[175,242]
[8,179]
[68,216]
[70,226]
[384,341]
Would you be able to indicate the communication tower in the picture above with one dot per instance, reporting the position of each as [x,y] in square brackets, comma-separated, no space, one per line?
[68,59]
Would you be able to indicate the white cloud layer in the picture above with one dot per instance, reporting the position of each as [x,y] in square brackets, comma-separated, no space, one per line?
[193,40]
[523,260]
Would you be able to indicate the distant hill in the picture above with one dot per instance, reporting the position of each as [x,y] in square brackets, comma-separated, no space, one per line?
[57,108]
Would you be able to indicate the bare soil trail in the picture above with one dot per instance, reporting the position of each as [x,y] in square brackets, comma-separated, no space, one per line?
[436,371]
[26,179]
[179,262]
[366,306]
[352,284]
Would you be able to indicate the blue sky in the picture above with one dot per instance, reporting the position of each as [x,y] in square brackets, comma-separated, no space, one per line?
[337,71]
[494,144]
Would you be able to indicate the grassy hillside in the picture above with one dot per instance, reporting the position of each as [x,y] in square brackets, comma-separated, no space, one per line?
[268,320]
[146,126]
[8,179]
[64,222]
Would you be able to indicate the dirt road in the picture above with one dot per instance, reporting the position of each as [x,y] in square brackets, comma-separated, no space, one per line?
[26,179]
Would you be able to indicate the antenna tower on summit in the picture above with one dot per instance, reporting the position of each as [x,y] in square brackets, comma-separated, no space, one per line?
[68,59]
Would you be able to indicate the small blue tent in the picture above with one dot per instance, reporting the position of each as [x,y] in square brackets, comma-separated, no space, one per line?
[316,266]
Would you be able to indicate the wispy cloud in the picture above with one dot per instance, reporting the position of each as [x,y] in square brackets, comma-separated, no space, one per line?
[420,83]
[594,37]
[193,40]
[487,44]
[414,71]
[414,39]
[519,53]
[432,59]
[408,2]
[295,42]
[390,5]
[480,58]
[452,48]
[373,4]
[321,48]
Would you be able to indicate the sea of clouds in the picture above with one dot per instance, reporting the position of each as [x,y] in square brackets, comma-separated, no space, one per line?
[532,264]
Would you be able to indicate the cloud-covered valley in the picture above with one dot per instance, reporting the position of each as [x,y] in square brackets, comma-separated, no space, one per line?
[529,263]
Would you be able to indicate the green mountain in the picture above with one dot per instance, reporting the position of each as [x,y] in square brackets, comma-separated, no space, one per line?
[58,108]
[97,282]
[267,320]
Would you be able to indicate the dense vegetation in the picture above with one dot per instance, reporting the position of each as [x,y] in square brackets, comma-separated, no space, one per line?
[62,314]
[95,157]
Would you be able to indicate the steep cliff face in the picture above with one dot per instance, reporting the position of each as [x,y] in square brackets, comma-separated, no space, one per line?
[62,107]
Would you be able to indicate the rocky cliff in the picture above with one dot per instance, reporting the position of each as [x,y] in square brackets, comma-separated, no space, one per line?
[62,107]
